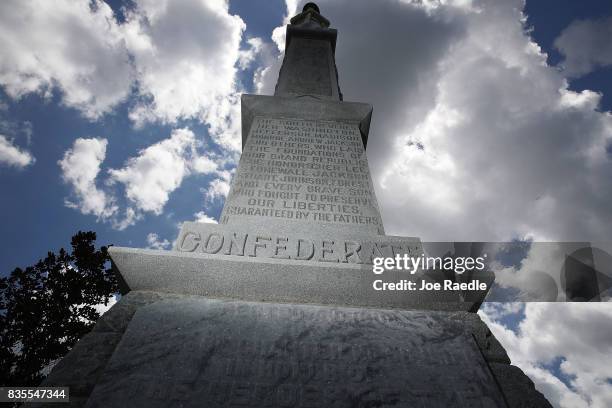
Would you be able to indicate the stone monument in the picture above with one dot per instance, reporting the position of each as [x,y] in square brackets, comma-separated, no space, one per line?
[274,306]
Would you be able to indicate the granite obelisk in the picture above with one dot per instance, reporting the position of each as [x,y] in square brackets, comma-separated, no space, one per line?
[274,306]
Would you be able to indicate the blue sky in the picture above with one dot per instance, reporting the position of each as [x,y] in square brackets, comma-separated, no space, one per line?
[35,219]
[510,103]
[548,18]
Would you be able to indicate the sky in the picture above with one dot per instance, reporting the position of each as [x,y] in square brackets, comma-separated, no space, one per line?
[491,123]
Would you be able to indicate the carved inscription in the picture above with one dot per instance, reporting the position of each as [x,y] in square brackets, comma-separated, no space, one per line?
[304,170]
[223,242]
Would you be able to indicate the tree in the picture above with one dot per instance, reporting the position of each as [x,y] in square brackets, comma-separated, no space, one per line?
[47,307]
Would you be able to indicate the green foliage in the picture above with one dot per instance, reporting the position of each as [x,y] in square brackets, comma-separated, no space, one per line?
[47,307]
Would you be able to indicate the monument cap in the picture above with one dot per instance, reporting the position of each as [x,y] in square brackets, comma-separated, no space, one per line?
[311,5]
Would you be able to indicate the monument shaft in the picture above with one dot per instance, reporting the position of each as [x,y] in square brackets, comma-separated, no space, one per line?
[306,171]
[305,165]
[309,65]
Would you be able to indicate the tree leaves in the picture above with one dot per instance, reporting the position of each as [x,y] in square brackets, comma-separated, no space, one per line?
[47,307]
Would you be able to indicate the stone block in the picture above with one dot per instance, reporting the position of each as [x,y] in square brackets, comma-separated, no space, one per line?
[80,368]
[272,280]
[193,351]
[490,347]
[305,108]
[117,317]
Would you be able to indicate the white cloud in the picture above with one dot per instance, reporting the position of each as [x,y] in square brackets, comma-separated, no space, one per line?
[201,216]
[220,186]
[180,58]
[187,55]
[278,34]
[541,275]
[130,217]
[158,170]
[496,311]
[148,178]
[203,165]
[577,335]
[248,56]
[80,167]
[12,155]
[473,136]
[264,57]
[75,46]
[504,156]
[586,46]
[154,242]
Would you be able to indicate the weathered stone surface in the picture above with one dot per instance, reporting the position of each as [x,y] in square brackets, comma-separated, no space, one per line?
[490,348]
[75,402]
[303,170]
[118,317]
[518,389]
[308,69]
[200,352]
[94,348]
[309,66]
[252,106]
[272,280]
[82,366]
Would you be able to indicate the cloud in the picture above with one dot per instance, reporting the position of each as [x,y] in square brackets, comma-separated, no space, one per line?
[148,179]
[203,165]
[279,33]
[572,338]
[586,45]
[247,57]
[80,167]
[12,155]
[473,137]
[187,55]
[219,187]
[154,242]
[170,60]
[158,170]
[497,311]
[75,46]
[264,57]
[201,216]
[130,217]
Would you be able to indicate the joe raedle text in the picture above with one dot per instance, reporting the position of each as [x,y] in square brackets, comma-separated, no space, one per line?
[412,264]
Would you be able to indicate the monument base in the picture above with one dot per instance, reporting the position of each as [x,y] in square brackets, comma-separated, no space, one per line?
[156,349]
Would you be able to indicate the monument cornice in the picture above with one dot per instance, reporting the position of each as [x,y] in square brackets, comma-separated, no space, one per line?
[308,107]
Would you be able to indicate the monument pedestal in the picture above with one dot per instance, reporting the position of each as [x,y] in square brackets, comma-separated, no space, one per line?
[156,349]
[285,264]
